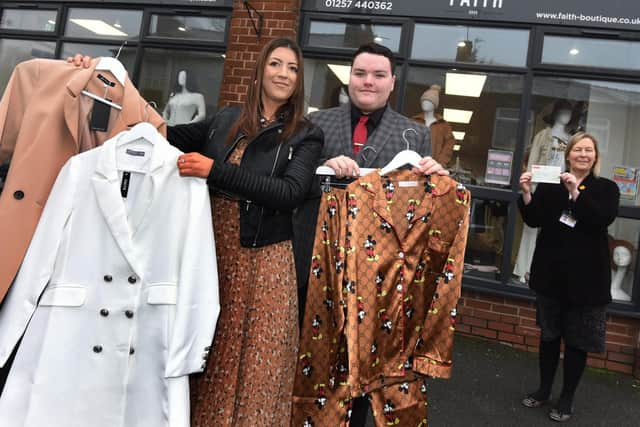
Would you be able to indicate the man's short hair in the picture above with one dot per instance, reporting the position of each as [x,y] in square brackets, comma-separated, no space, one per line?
[376,49]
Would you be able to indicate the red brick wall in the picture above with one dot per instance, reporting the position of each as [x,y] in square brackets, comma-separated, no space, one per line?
[513,322]
[280,19]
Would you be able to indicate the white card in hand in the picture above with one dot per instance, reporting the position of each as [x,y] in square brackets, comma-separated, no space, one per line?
[542,173]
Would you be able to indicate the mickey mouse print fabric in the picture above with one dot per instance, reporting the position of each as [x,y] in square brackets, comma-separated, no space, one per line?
[385,280]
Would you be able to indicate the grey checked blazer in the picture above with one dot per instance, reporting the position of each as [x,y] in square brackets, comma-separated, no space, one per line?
[385,142]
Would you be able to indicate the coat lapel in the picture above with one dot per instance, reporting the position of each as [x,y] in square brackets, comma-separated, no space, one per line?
[106,184]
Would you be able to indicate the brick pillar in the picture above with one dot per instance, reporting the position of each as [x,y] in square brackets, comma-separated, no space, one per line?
[280,19]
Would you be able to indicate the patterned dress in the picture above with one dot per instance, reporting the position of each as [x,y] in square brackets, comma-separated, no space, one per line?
[249,376]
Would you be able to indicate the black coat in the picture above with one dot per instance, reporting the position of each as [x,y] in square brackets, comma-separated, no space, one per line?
[573,264]
[273,178]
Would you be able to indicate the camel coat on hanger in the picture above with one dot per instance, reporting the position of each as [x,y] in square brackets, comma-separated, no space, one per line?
[43,122]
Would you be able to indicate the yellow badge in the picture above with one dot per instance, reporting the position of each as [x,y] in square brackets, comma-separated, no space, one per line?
[582,187]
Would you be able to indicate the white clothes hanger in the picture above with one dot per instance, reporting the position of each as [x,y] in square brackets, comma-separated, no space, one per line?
[404,157]
[104,101]
[327,171]
[143,130]
[113,66]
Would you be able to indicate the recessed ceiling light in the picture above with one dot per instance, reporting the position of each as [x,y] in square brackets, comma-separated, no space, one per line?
[342,72]
[182,29]
[98,26]
[458,135]
[457,116]
[377,39]
[51,21]
[464,84]
[456,147]
[461,44]
[574,51]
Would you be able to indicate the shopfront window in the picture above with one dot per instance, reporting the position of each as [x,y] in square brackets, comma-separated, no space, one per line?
[483,255]
[103,24]
[591,52]
[13,52]
[29,20]
[608,110]
[127,55]
[353,35]
[188,27]
[481,110]
[478,45]
[326,84]
[184,85]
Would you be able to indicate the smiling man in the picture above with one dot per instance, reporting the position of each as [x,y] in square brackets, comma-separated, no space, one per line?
[367,132]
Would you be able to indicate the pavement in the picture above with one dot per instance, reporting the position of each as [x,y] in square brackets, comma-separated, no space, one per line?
[489,380]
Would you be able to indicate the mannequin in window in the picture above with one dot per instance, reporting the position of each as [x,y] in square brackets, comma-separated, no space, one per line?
[184,106]
[442,140]
[547,148]
[621,256]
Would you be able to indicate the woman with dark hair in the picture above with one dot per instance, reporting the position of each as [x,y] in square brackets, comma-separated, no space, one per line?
[570,272]
[259,161]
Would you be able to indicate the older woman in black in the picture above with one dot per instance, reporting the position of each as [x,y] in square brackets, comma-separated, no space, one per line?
[570,271]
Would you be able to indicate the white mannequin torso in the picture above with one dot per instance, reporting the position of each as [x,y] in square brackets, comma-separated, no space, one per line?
[184,107]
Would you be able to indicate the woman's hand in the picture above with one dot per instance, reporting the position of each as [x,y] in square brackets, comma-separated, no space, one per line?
[525,182]
[571,184]
[194,164]
[525,186]
[80,60]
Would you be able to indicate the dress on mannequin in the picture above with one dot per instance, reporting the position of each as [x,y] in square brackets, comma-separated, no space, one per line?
[442,140]
[547,148]
[184,106]
[621,258]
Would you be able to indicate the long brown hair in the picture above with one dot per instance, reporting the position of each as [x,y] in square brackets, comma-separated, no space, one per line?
[595,169]
[292,112]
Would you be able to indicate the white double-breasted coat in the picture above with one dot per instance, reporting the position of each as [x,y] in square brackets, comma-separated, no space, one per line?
[117,296]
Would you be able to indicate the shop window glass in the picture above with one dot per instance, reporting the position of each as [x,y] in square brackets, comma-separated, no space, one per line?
[127,54]
[481,110]
[591,52]
[13,52]
[608,110]
[103,24]
[188,27]
[485,241]
[455,43]
[184,85]
[29,20]
[326,83]
[353,35]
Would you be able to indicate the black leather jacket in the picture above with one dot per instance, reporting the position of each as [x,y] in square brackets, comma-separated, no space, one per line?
[272,179]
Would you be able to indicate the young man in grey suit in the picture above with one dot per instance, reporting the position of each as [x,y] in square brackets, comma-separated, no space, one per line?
[371,82]
[347,147]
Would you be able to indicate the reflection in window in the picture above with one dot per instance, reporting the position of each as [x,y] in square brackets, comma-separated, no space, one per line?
[624,237]
[326,84]
[482,112]
[13,52]
[348,35]
[486,239]
[104,24]
[29,20]
[184,86]
[188,27]
[449,43]
[591,52]
[608,110]
[127,55]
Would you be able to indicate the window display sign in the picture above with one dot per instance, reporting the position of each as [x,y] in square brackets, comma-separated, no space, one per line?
[498,167]
[627,179]
[623,14]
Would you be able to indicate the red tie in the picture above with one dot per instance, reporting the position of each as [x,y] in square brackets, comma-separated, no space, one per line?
[360,134]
